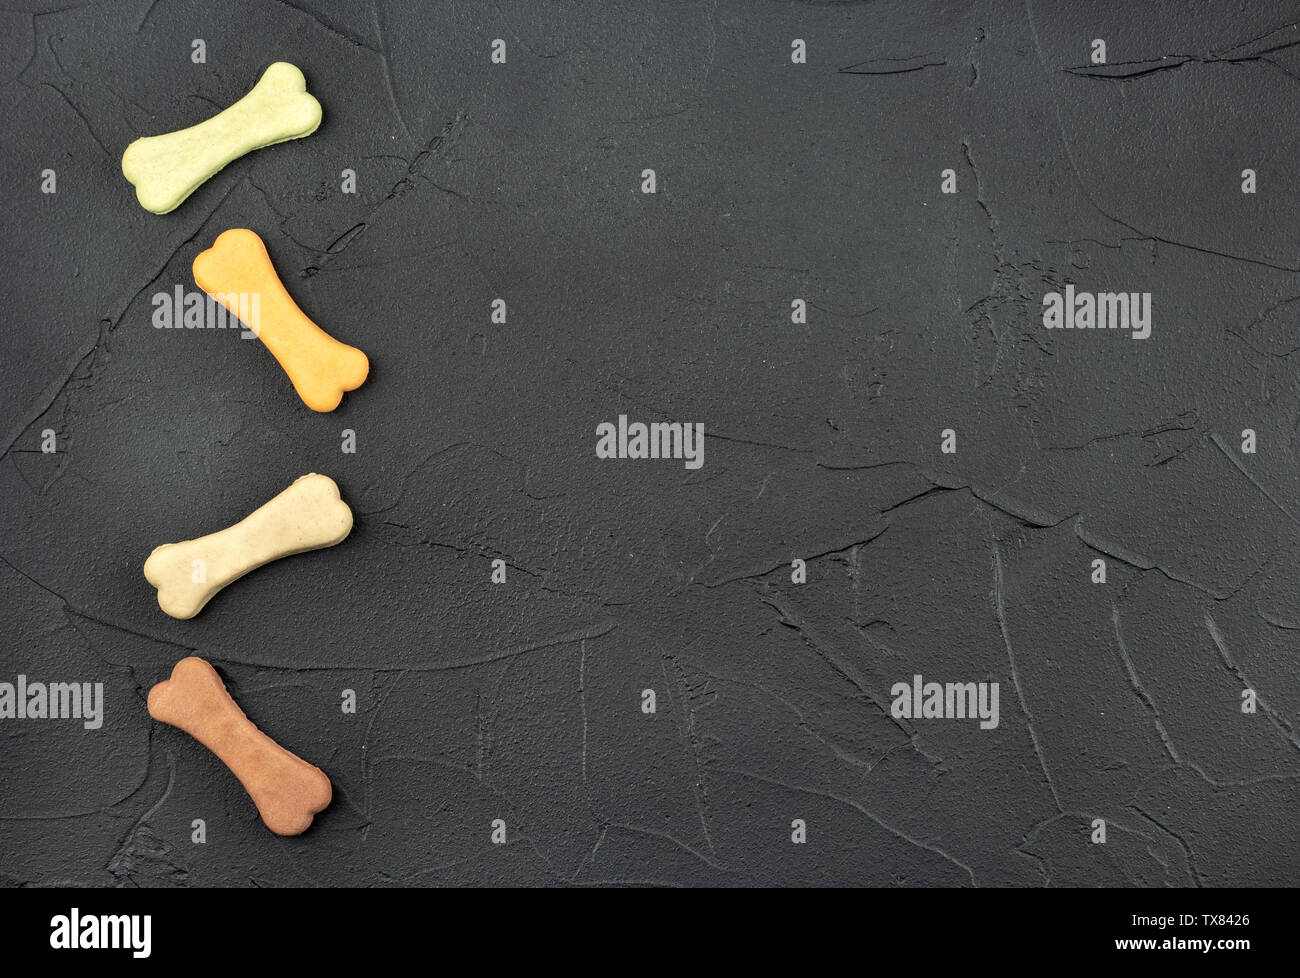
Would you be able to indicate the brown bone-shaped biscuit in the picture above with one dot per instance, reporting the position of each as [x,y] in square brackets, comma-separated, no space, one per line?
[287,791]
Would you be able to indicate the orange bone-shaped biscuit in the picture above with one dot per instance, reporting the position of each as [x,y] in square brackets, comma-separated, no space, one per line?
[287,791]
[320,367]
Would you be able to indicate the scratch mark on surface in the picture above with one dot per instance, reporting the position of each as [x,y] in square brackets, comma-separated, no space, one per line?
[1278,721]
[858,807]
[999,607]
[691,740]
[1092,200]
[388,66]
[894,66]
[1139,689]
[1218,443]
[582,696]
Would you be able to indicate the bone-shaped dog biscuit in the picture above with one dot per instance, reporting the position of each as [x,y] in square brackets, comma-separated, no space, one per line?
[287,791]
[320,367]
[308,515]
[168,168]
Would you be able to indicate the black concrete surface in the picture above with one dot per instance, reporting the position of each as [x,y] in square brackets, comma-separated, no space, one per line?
[475,441]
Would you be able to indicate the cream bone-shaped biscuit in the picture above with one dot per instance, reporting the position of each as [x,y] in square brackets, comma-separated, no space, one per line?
[168,168]
[308,515]
[320,367]
[287,791]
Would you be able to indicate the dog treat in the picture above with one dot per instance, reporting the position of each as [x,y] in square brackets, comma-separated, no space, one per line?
[308,515]
[287,790]
[321,368]
[168,168]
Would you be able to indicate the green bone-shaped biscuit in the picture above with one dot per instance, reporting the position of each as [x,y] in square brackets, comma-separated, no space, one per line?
[168,168]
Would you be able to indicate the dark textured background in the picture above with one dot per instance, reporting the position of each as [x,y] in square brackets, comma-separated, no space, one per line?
[476,441]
